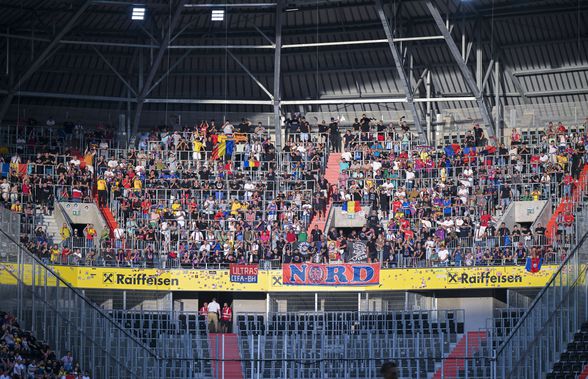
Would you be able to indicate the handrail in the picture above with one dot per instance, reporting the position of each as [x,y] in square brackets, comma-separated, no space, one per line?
[77,293]
[542,292]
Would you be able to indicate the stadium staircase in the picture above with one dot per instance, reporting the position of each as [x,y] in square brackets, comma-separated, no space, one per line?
[566,205]
[109,217]
[454,364]
[572,362]
[232,356]
[332,176]
[48,221]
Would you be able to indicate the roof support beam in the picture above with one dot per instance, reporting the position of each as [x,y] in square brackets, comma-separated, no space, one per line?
[277,98]
[250,75]
[402,75]
[169,70]
[465,71]
[118,75]
[47,52]
[156,63]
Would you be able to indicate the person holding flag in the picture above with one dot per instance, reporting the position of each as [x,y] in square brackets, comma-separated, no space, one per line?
[534,263]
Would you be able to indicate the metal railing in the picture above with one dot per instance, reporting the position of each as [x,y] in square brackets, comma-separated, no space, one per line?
[554,316]
[60,315]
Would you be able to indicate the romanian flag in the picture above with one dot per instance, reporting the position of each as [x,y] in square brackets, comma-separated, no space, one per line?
[351,207]
[251,163]
[220,148]
[534,264]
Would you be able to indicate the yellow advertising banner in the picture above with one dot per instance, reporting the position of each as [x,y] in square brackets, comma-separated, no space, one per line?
[458,278]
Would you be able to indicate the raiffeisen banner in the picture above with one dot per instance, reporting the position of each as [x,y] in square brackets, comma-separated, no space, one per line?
[331,274]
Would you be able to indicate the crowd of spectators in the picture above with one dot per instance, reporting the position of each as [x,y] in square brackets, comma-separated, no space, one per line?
[22,356]
[220,193]
[442,205]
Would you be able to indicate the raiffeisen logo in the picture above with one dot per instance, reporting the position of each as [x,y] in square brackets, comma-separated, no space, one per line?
[483,278]
[139,280]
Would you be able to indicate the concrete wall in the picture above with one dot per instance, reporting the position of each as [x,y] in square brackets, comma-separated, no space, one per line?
[527,212]
[88,214]
[249,306]
[347,220]
[477,309]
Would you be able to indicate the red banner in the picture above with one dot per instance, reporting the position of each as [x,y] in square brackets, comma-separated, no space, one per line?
[243,273]
[331,274]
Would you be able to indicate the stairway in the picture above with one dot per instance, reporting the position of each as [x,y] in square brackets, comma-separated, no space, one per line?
[232,356]
[110,220]
[52,228]
[469,344]
[332,176]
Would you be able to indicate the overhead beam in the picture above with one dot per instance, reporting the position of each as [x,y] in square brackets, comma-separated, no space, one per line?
[376,100]
[45,54]
[156,63]
[465,71]
[401,73]
[548,71]
[228,5]
[368,100]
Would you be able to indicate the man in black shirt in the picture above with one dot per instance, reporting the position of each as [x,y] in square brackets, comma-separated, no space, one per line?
[316,234]
[335,136]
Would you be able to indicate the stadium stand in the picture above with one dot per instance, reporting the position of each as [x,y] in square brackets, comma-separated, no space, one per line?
[404,194]
[171,205]
[23,356]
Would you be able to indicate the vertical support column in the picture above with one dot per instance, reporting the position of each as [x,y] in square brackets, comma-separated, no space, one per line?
[277,80]
[429,117]
[479,62]
[316,302]
[498,103]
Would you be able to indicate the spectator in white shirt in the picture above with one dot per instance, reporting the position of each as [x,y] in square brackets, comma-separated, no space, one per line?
[213,311]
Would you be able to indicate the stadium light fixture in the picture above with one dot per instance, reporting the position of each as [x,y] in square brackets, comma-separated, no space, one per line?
[138,13]
[217,15]
[291,9]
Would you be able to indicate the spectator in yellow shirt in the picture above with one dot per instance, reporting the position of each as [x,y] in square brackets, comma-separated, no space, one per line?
[65,234]
[102,192]
[137,184]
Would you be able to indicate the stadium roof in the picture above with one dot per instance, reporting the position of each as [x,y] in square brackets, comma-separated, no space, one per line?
[91,54]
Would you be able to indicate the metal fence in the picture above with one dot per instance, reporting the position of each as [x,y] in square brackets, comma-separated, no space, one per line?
[557,313]
[60,315]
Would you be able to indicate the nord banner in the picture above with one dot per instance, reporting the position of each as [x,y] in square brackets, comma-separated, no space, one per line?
[331,274]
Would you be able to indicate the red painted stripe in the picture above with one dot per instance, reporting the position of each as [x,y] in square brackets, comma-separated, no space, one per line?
[455,361]
[232,355]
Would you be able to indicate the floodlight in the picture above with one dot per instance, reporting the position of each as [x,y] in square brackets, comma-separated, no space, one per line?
[138,13]
[217,15]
